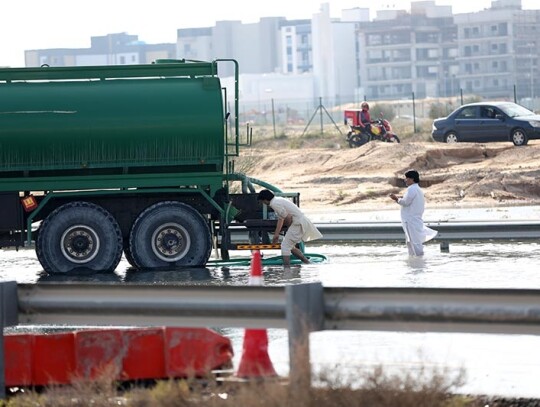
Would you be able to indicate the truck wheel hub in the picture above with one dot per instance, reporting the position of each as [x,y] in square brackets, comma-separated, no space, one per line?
[80,244]
[170,242]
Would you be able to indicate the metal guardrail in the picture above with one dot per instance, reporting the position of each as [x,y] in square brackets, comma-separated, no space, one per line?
[300,309]
[394,309]
[392,231]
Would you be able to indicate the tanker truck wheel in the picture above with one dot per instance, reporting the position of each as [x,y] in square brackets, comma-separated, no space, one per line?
[170,234]
[128,255]
[79,235]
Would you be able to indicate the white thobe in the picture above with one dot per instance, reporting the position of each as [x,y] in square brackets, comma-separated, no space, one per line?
[301,228]
[412,209]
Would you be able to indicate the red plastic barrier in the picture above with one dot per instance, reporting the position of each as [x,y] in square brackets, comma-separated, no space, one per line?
[53,359]
[195,352]
[18,360]
[98,353]
[121,354]
[145,357]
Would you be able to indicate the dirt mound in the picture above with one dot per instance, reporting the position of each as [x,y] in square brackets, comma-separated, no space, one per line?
[466,174]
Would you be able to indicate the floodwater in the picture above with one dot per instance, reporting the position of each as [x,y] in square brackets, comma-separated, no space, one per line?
[506,365]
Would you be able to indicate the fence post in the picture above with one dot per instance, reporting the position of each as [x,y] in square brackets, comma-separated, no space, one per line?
[305,313]
[414,113]
[8,317]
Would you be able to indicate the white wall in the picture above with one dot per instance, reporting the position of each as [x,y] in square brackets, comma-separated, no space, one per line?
[255,88]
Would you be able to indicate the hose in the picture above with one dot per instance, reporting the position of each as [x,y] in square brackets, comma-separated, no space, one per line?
[247,183]
[269,261]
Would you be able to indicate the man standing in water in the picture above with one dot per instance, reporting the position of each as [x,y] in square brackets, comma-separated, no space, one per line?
[300,228]
[412,210]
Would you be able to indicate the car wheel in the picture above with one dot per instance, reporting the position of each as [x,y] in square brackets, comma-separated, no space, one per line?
[451,138]
[519,137]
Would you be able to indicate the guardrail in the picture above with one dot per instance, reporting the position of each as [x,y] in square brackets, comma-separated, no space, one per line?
[392,231]
[300,309]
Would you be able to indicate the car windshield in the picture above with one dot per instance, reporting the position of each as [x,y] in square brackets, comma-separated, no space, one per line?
[513,110]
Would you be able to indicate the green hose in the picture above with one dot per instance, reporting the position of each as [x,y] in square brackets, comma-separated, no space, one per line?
[268,261]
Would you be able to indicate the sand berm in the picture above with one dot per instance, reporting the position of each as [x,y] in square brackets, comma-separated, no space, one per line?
[457,176]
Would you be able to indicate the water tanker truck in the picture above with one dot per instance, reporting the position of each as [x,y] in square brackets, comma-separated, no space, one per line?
[103,160]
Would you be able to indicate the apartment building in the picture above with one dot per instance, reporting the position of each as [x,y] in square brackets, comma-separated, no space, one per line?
[111,49]
[403,53]
[498,50]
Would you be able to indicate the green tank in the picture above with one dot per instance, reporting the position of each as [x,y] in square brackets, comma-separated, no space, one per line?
[140,119]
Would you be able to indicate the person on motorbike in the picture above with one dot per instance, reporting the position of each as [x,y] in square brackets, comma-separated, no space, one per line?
[365,118]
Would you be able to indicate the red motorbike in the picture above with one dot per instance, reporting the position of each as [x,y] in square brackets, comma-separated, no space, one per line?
[381,130]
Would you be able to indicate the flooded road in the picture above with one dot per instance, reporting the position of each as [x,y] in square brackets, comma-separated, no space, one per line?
[495,364]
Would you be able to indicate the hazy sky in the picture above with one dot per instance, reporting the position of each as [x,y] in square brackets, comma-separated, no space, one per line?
[37,24]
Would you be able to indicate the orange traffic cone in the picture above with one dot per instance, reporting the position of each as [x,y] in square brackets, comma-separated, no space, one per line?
[255,362]
[255,275]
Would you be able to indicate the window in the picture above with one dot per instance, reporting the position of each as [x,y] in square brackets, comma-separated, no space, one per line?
[487,112]
[374,39]
[467,113]
[433,53]
[374,55]
[452,53]
[401,55]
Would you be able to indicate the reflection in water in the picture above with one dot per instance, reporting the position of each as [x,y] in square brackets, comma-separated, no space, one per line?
[471,264]
[81,276]
[182,275]
[416,263]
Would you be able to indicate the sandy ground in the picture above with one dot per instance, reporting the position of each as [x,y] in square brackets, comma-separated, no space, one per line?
[468,175]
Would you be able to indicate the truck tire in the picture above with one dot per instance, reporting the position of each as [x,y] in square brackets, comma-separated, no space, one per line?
[170,234]
[128,255]
[79,235]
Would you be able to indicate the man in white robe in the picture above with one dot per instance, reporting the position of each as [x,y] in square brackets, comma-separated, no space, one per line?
[412,210]
[300,228]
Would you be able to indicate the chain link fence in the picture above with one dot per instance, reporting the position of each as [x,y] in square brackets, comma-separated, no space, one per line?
[317,115]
